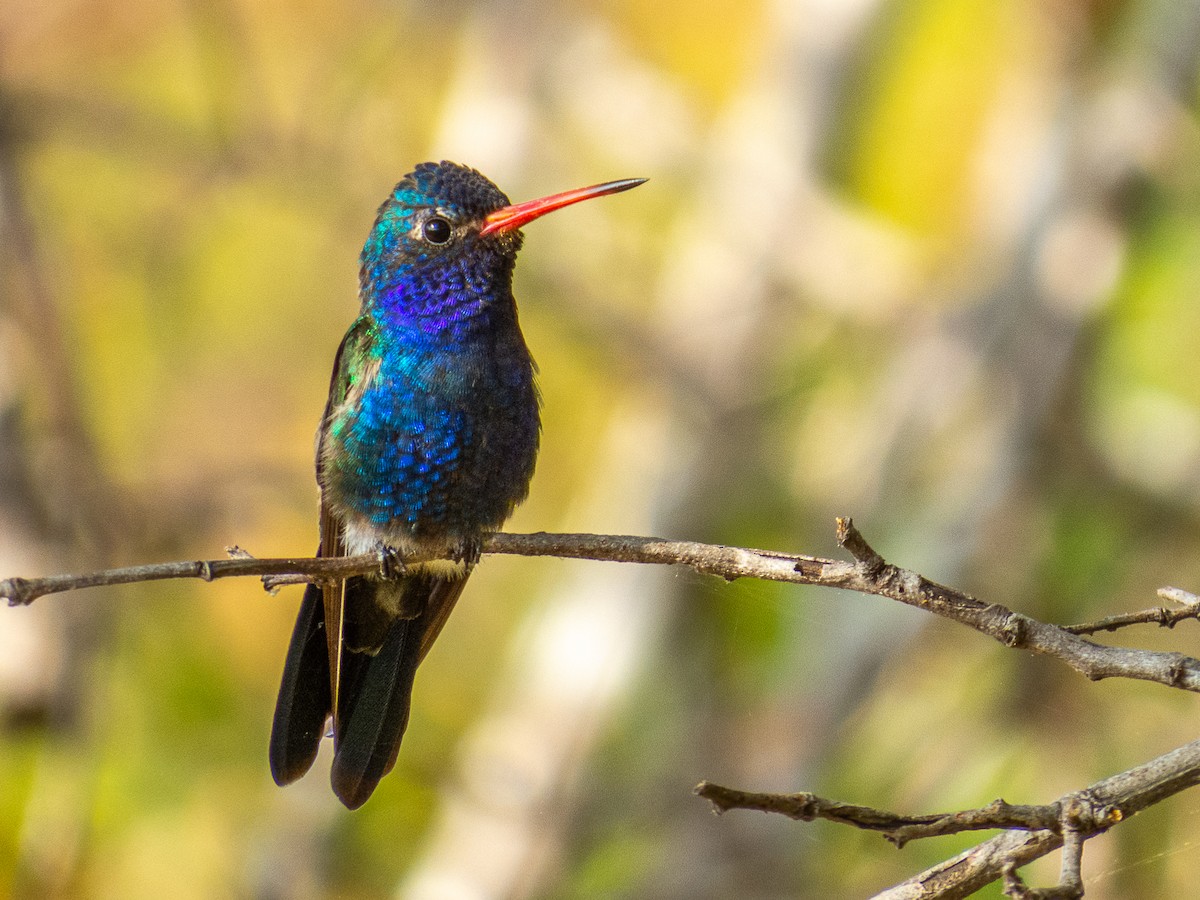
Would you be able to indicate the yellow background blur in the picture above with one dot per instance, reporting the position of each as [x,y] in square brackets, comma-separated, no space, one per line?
[930,263]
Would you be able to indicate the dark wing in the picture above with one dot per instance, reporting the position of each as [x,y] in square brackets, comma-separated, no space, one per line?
[308,688]
[438,608]
[351,367]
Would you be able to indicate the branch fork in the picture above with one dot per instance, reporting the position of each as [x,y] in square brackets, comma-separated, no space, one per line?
[1029,831]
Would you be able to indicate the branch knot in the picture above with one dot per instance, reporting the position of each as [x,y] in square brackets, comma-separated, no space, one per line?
[1014,629]
[1089,815]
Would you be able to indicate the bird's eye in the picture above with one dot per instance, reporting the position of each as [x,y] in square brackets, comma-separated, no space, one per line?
[437,230]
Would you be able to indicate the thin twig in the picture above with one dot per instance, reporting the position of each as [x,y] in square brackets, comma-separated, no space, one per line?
[1158,615]
[897,828]
[23,591]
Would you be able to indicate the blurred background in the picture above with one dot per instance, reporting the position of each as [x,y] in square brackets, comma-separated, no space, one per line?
[930,263]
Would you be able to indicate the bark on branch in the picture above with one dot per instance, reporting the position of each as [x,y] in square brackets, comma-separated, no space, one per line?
[1031,831]
[1073,818]
[867,573]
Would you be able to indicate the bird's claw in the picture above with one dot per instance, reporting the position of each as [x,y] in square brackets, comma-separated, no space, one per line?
[469,551]
[391,564]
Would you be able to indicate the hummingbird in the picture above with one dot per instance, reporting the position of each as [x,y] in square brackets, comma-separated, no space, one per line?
[427,444]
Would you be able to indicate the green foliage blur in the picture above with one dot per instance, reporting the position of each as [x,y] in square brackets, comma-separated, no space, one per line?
[930,263]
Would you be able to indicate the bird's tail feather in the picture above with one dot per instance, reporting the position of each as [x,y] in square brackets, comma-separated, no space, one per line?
[379,663]
[304,701]
[376,689]
[375,698]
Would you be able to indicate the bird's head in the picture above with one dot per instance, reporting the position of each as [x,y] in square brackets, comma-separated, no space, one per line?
[447,233]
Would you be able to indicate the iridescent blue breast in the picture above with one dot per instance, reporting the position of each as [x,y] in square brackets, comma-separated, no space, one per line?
[440,443]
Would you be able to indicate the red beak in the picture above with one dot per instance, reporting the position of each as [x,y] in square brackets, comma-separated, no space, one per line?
[510,218]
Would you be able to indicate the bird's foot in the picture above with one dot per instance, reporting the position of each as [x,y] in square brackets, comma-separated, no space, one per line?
[391,563]
[469,551]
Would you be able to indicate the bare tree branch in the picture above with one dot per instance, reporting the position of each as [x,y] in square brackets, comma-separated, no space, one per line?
[869,573]
[1034,831]
[1068,821]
